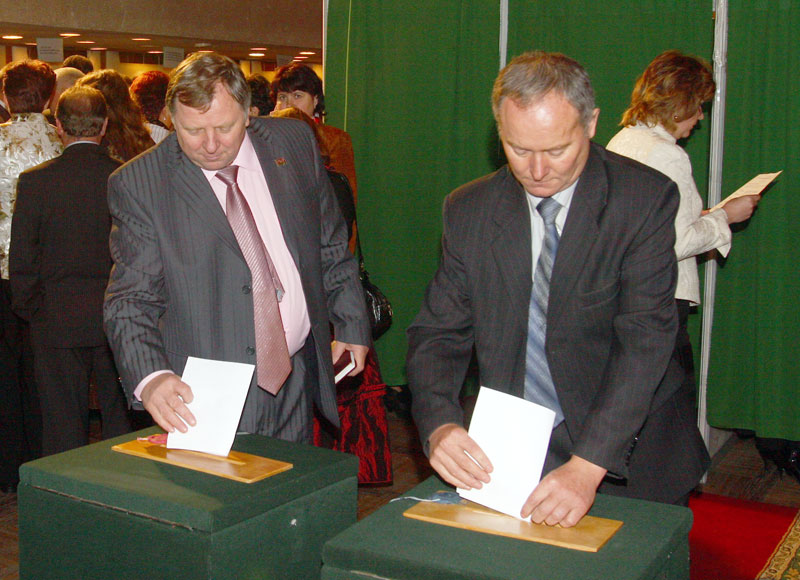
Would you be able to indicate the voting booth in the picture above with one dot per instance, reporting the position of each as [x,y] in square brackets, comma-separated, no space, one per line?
[95,513]
[651,544]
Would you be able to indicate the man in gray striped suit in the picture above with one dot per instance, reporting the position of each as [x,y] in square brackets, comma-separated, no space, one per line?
[180,285]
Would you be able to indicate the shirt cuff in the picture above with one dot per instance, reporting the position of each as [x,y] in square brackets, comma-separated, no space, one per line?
[137,392]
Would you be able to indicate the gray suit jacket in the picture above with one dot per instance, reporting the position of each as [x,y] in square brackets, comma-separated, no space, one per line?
[611,320]
[180,285]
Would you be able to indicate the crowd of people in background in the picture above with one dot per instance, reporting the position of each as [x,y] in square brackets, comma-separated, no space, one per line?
[66,131]
[71,127]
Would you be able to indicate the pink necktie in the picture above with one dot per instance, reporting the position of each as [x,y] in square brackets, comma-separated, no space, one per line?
[272,355]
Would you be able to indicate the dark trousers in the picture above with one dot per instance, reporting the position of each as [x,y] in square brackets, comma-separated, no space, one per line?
[63,376]
[20,421]
[683,349]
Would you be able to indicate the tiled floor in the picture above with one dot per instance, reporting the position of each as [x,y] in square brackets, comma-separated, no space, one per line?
[738,471]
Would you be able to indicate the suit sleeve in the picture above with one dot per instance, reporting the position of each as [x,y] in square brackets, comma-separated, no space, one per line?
[25,251]
[643,339]
[440,340]
[343,291]
[135,297]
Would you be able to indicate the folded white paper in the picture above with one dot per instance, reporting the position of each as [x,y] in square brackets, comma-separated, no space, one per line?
[219,389]
[514,434]
[753,187]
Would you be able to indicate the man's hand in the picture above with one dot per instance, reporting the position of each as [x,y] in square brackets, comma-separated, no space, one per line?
[359,354]
[565,494]
[165,398]
[449,445]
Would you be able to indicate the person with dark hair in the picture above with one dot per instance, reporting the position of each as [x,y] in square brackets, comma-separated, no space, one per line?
[559,271]
[666,104]
[297,85]
[261,103]
[126,136]
[26,140]
[228,245]
[59,266]
[79,62]
[149,91]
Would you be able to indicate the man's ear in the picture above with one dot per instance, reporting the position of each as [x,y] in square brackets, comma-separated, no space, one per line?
[590,130]
[105,126]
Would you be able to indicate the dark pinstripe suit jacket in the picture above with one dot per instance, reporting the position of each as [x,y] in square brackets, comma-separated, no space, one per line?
[611,320]
[177,288]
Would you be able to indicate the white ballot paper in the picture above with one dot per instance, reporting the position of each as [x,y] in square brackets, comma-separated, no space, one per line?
[752,187]
[514,434]
[219,389]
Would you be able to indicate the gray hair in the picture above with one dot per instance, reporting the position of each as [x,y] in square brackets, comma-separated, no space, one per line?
[194,81]
[531,76]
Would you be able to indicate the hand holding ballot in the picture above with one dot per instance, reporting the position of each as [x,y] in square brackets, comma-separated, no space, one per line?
[740,209]
[457,458]
[165,398]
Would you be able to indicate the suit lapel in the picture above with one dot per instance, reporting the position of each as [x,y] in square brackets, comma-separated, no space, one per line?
[511,246]
[190,184]
[579,235]
[278,172]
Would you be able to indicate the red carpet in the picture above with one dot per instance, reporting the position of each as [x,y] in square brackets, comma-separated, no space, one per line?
[733,539]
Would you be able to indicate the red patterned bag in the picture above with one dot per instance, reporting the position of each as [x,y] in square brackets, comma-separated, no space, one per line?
[364,427]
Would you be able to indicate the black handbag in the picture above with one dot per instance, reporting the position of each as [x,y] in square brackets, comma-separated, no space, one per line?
[379,309]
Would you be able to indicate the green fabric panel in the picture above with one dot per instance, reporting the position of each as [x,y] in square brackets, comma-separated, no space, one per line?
[615,41]
[415,78]
[189,498]
[755,364]
[652,543]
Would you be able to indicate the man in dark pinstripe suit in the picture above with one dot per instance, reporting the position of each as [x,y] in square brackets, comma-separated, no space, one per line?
[180,285]
[610,319]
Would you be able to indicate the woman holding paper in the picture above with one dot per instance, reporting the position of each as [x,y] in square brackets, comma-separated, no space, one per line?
[666,104]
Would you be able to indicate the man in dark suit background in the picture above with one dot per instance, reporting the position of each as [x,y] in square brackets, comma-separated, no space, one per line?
[181,285]
[59,263]
[609,317]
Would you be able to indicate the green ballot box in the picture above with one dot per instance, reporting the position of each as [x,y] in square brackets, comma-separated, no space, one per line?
[96,513]
[652,544]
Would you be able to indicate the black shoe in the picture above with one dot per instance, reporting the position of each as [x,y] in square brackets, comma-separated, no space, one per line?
[793,463]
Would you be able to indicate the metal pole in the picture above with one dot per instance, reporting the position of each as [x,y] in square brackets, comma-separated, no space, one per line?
[714,196]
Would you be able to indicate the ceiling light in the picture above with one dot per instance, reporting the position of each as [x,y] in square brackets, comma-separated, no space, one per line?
[202,44]
[155,52]
[259,49]
[140,39]
[98,48]
[69,34]
[84,41]
[11,37]
[256,54]
[307,52]
[300,57]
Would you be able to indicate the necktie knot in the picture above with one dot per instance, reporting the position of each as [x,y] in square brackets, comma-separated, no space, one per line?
[228,174]
[548,208]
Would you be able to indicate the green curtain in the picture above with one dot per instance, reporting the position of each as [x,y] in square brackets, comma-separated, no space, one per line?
[755,358]
[411,82]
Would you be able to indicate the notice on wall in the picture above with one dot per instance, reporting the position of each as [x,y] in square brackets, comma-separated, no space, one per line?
[50,49]
[173,56]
